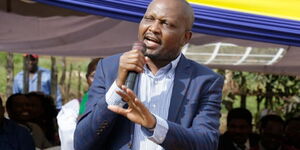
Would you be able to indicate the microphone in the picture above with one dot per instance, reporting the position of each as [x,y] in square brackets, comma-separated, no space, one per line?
[131,77]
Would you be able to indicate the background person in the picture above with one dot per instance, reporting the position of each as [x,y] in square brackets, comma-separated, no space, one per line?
[239,135]
[13,136]
[271,130]
[33,69]
[19,107]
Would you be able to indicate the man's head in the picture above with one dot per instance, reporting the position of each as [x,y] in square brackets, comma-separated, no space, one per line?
[292,132]
[271,132]
[91,71]
[166,28]
[33,62]
[18,107]
[239,124]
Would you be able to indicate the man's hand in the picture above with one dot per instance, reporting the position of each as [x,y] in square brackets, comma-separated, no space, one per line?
[133,60]
[136,111]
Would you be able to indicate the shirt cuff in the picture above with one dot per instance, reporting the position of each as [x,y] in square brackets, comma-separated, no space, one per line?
[160,131]
[112,98]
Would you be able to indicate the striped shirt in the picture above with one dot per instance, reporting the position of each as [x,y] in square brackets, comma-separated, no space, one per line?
[155,92]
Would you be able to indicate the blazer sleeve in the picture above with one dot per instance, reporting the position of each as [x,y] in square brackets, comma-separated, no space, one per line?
[203,134]
[97,121]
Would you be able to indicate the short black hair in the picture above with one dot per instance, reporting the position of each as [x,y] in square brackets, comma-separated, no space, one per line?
[92,66]
[239,113]
[10,99]
[266,119]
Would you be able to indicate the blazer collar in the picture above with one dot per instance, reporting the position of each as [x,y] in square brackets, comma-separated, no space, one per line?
[181,83]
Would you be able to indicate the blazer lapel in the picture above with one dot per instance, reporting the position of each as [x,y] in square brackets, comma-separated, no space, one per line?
[181,83]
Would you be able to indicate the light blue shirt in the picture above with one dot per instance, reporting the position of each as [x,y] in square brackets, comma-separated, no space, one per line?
[45,84]
[155,92]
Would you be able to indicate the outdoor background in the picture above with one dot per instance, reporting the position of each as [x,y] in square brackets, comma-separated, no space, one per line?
[260,93]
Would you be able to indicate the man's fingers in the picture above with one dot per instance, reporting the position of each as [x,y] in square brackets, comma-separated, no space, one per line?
[117,109]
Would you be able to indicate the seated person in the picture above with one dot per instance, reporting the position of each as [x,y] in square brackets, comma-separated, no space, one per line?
[13,136]
[292,134]
[43,113]
[69,113]
[19,107]
[271,128]
[239,134]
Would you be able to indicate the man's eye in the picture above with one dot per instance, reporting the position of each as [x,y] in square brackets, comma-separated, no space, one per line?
[148,18]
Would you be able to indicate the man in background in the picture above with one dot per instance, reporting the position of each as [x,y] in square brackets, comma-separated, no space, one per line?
[34,70]
[13,136]
[239,134]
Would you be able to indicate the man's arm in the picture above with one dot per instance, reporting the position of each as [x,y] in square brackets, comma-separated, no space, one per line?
[201,134]
[16,85]
[97,121]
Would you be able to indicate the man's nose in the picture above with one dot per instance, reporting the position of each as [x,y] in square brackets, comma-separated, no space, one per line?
[155,27]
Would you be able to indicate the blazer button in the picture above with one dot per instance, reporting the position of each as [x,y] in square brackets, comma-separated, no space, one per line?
[129,144]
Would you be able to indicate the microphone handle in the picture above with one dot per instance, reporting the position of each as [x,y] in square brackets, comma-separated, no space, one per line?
[130,81]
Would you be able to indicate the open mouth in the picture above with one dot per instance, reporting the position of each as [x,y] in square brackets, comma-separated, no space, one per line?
[151,41]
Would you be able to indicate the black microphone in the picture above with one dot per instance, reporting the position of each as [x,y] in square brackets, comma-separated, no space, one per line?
[131,77]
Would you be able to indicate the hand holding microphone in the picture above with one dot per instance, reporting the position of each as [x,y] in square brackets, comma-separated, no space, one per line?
[131,63]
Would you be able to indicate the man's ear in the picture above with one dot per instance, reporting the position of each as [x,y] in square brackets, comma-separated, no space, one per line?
[187,36]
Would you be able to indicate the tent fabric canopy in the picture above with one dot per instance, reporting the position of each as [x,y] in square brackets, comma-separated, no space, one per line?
[208,20]
[81,35]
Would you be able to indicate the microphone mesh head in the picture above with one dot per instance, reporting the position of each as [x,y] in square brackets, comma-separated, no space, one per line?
[138,45]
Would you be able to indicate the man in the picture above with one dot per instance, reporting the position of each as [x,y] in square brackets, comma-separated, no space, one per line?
[271,129]
[178,101]
[34,70]
[292,133]
[239,134]
[19,109]
[13,136]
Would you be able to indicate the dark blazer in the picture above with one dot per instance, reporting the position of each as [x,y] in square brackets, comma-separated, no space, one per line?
[193,114]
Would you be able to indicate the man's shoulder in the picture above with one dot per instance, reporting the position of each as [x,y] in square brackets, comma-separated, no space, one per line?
[13,127]
[200,69]
[111,62]
[112,58]
[44,70]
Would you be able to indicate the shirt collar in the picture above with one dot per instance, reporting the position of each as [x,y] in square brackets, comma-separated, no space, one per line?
[168,70]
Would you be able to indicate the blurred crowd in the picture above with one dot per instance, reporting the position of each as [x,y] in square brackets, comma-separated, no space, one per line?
[273,133]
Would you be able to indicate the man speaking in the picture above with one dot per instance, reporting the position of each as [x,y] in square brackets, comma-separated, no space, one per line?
[175,103]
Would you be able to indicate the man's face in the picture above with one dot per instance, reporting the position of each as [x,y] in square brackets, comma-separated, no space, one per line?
[164,30]
[90,78]
[272,135]
[239,130]
[292,132]
[32,64]
[36,110]
[21,108]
